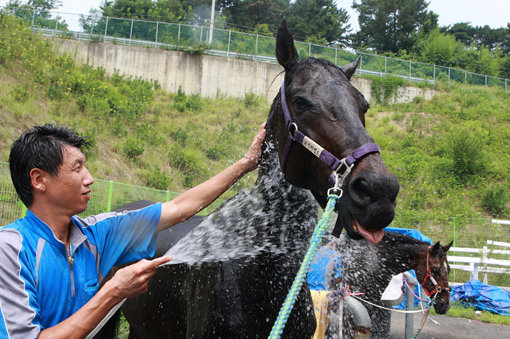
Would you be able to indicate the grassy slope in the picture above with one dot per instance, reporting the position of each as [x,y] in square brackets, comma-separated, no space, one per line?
[188,139]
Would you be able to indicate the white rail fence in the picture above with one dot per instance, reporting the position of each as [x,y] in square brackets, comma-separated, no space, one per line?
[481,260]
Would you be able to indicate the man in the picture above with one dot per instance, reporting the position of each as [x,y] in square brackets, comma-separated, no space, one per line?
[52,262]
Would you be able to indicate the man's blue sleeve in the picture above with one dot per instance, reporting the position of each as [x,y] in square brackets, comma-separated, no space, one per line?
[124,237]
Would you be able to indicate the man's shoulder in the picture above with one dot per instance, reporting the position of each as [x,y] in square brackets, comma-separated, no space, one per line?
[13,231]
[19,233]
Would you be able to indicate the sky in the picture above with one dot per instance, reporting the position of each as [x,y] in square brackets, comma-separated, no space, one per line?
[494,13]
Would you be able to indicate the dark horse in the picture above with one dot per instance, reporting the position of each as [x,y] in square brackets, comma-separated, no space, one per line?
[231,274]
[369,268]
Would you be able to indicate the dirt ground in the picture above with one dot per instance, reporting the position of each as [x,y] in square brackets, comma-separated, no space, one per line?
[443,327]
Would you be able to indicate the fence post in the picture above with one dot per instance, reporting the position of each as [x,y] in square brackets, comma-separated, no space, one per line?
[410,72]
[179,34]
[257,44]
[385,65]
[167,195]
[157,29]
[228,45]
[131,30]
[309,49]
[23,210]
[434,75]
[454,235]
[449,76]
[105,29]
[56,27]
[33,18]
[110,195]
[336,55]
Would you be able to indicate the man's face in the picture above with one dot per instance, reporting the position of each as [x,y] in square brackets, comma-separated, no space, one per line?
[69,189]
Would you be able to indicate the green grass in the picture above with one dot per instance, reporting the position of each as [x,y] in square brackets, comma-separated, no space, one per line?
[458,311]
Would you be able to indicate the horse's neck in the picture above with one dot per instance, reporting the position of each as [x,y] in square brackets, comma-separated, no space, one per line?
[402,258]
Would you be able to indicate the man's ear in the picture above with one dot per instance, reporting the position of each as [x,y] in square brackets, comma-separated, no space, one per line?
[38,179]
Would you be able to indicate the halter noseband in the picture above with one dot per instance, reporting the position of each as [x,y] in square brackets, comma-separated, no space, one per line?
[437,289]
[340,168]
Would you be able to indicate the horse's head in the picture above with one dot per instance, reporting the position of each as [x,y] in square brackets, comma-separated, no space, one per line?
[326,118]
[432,273]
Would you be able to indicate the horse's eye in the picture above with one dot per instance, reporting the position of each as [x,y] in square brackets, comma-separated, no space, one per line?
[301,103]
[435,270]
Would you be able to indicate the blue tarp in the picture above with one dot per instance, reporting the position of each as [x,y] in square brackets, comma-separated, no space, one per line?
[410,232]
[482,297]
[317,273]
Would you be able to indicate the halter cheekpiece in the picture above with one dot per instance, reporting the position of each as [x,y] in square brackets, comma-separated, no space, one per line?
[340,168]
[437,288]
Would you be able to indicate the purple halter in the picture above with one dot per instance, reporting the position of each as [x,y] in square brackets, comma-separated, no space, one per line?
[341,168]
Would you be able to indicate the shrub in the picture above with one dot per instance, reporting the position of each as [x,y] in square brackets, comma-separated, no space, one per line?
[494,200]
[158,179]
[187,161]
[133,148]
[383,88]
[466,150]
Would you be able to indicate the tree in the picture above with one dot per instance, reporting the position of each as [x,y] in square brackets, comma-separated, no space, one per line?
[462,32]
[389,25]
[440,49]
[247,14]
[37,12]
[318,20]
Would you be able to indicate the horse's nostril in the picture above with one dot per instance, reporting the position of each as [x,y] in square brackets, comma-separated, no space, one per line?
[360,191]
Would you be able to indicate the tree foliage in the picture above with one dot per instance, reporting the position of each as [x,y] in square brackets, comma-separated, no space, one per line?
[247,14]
[318,20]
[389,25]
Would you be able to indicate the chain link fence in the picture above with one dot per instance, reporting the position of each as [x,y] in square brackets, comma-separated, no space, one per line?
[106,196]
[195,38]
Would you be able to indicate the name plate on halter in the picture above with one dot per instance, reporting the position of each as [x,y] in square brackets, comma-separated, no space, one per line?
[312,146]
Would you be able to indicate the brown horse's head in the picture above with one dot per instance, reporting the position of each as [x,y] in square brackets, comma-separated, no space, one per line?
[432,273]
[326,108]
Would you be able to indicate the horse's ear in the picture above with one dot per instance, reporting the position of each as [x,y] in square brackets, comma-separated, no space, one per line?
[286,52]
[436,247]
[447,247]
[349,69]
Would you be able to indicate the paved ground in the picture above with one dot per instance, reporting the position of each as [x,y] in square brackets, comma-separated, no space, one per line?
[448,328]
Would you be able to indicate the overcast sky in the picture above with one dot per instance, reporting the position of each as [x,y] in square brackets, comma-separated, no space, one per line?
[495,13]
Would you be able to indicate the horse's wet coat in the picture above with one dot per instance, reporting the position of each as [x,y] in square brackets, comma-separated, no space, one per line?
[264,232]
[369,268]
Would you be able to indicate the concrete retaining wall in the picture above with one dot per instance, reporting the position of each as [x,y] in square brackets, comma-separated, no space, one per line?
[201,74]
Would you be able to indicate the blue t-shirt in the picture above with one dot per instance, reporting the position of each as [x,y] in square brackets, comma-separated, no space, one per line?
[41,284]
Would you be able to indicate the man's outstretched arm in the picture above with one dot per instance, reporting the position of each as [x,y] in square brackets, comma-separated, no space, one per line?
[199,197]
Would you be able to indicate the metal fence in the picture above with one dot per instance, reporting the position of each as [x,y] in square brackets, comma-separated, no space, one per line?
[238,45]
[107,195]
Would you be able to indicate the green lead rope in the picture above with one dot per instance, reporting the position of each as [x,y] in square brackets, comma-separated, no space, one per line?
[315,242]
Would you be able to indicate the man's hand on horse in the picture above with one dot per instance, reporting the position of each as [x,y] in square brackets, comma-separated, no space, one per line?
[134,279]
[253,154]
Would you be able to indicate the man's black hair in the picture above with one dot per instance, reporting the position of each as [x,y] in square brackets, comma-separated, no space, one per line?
[39,147]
